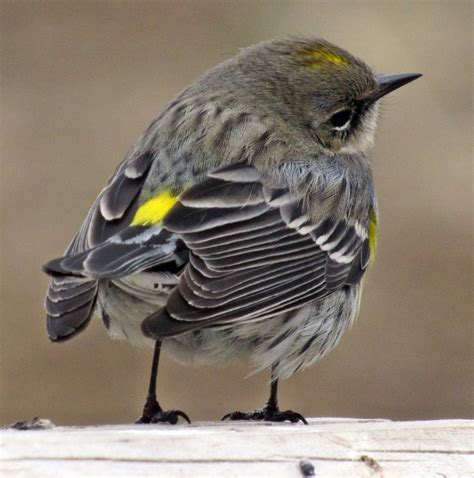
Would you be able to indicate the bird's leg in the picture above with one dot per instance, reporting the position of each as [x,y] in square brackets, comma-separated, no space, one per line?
[151,405]
[152,411]
[272,402]
[271,412]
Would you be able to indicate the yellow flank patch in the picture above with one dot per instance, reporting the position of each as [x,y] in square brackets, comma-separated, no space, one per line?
[153,210]
[315,58]
[372,233]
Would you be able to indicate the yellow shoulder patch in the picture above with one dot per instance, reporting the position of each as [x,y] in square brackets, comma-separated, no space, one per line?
[154,209]
[315,58]
[372,233]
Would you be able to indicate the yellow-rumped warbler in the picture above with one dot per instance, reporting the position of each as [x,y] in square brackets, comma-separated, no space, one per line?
[241,223]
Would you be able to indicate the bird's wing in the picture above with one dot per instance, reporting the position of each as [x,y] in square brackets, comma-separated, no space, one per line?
[103,247]
[116,204]
[110,244]
[132,250]
[254,253]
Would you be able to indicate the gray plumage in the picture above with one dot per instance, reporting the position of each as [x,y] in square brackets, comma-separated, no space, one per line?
[263,254]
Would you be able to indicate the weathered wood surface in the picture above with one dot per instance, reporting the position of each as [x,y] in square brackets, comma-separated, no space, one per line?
[345,448]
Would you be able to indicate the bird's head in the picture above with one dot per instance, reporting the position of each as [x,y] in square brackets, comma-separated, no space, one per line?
[320,87]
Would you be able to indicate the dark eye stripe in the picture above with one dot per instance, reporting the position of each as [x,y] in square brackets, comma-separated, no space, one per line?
[361,108]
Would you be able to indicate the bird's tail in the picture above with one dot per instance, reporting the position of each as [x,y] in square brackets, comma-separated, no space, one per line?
[69,304]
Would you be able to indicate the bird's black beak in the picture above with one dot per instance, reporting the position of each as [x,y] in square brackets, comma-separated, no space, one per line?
[388,83]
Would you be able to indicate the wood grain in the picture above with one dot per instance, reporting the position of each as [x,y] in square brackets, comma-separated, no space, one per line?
[335,447]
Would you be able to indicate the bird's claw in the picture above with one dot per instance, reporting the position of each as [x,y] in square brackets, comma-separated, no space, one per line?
[164,416]
[153,413]
[268,415]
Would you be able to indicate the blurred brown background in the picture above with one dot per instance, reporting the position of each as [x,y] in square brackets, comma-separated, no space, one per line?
[82,79]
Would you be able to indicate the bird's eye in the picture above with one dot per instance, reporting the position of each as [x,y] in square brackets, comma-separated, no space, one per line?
[341,119]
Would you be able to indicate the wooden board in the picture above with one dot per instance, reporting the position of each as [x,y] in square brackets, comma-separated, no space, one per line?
[333,447]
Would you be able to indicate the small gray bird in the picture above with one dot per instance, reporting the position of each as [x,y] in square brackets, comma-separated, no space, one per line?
[240,224]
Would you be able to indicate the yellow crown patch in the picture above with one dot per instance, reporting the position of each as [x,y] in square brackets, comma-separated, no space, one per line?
[316,58]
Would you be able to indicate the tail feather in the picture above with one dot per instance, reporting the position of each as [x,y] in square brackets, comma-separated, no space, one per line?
[69,305]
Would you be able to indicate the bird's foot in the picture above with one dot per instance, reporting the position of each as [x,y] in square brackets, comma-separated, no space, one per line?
[153,413]
[164,416]
[268,414]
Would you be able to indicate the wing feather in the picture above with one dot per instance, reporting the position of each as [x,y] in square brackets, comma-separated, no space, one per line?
[268,223]
[255,253]
[247,280]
